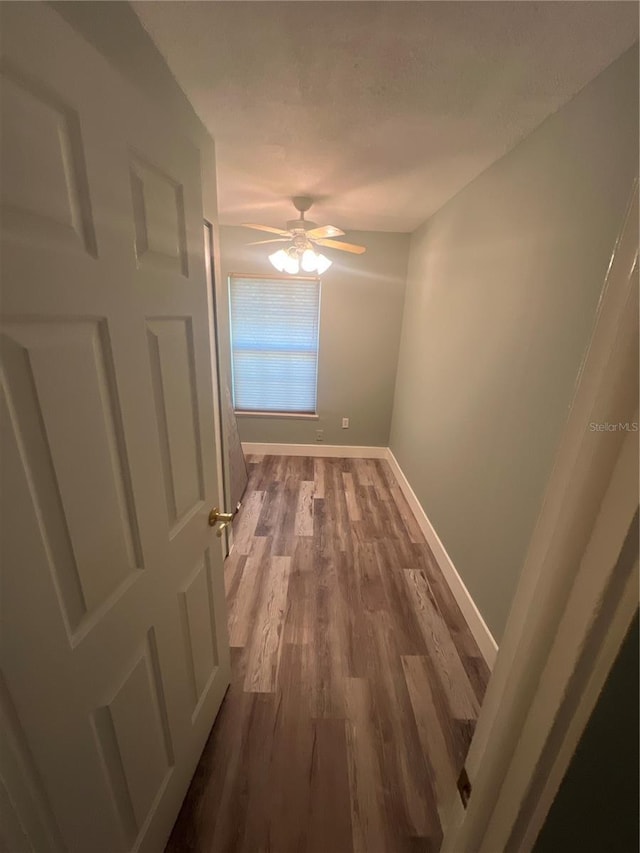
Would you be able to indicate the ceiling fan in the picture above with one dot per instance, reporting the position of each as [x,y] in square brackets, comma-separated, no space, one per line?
[303,237]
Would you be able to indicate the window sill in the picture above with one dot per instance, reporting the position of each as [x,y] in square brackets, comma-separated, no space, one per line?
[298,415]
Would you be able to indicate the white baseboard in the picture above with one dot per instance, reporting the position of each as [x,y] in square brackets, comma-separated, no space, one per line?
[339,451]
[477,625]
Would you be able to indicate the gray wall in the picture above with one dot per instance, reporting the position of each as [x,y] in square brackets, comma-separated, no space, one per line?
[361,316]
[502,290]
[596,807]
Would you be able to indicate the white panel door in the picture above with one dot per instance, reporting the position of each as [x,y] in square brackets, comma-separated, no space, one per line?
[114,653]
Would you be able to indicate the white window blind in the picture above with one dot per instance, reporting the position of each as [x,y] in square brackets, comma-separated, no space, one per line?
[274,343]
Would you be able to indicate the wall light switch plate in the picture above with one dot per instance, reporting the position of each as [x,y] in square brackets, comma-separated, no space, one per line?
[345,423]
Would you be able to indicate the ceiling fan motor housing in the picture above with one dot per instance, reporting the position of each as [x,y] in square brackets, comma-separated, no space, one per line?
[302,203]
[300,225]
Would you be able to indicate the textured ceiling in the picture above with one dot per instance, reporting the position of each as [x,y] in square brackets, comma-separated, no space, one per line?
[382,111]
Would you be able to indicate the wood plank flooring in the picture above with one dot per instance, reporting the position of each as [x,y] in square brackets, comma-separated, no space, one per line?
[356,682]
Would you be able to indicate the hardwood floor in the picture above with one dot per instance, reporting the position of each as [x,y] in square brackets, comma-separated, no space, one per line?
[355,680]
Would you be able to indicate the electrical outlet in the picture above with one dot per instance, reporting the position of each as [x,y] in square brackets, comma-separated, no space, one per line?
[345,423]
[319,435]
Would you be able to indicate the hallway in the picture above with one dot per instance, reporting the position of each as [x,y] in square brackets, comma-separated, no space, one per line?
[355,680]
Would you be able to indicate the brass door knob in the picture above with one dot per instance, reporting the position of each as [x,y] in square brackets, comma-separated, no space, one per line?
[223,518]
[215,516]
[220,530]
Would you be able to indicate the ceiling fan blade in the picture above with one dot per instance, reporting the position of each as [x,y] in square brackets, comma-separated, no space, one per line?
[324,231]
[269,229]
[344,247]
[275,240]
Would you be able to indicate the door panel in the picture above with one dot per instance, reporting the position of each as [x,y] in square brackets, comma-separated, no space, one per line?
[158,207]
[59,375]
[114,650]
[199,628]
[43,141]
[170,347]
[138,717]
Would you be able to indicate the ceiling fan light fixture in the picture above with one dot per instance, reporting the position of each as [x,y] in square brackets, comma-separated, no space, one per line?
[303,238]
[323,264]
[292,265]
[309,261]
[279,260]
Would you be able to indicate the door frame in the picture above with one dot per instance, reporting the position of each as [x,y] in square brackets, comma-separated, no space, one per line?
[577,593]
[210,272]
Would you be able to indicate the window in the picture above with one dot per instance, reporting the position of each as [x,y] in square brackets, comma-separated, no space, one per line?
[274,343]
